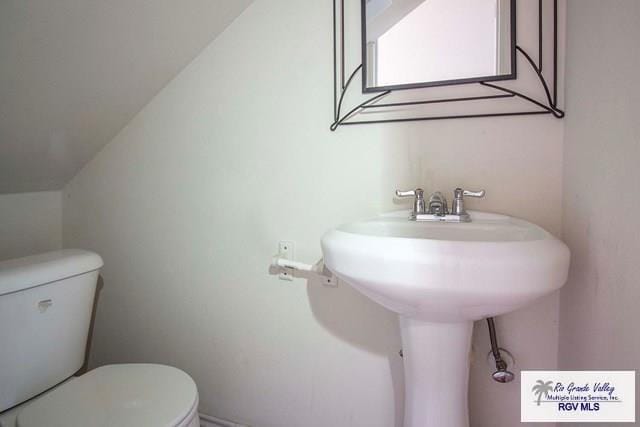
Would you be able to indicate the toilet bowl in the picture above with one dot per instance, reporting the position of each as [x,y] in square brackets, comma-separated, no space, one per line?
[45,310]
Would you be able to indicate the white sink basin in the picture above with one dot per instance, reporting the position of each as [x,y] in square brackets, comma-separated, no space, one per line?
[439,277]
[447,271]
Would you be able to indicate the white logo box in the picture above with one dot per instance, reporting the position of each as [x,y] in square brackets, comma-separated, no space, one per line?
[578,396]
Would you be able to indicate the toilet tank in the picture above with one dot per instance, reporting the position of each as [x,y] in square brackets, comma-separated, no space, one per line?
[46,302]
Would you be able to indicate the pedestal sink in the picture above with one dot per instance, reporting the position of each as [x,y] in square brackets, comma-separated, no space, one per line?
[440,277]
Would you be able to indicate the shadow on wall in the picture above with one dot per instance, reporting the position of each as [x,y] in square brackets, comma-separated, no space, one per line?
[96,299]
[357,320]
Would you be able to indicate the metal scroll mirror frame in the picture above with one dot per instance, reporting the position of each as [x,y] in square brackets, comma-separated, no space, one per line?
[534,90]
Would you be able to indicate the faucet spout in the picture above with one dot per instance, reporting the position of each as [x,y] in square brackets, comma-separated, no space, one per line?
[437,204]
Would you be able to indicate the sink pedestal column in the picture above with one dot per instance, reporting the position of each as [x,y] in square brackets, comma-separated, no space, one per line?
[436,372]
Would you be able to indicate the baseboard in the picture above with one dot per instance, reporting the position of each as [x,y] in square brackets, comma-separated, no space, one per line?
[209,421]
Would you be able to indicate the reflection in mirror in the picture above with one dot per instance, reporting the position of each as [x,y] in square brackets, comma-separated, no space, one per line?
[419,43]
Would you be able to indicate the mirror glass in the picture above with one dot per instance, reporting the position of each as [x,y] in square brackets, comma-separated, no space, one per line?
[418,43]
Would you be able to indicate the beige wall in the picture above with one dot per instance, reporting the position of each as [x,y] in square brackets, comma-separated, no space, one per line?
[599,320]
[73,73]
[187,205]
[30,223]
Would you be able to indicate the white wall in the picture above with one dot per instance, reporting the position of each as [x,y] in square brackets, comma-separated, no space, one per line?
[30,223]
[601,224]
[188,202]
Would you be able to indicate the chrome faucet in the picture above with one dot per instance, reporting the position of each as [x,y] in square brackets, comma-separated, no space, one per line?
[437,209]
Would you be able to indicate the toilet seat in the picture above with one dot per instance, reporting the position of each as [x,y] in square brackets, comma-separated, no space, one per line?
[135,395]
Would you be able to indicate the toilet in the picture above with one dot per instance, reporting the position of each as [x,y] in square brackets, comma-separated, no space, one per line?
[46,303]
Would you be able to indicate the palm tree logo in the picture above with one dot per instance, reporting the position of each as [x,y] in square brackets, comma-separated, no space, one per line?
[542,389]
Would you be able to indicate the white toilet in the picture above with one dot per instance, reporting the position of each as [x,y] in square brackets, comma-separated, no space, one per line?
[45,310]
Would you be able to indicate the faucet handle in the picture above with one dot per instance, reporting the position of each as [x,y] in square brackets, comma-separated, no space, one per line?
[457,207]
[459,193]
[418,192]
[418,203]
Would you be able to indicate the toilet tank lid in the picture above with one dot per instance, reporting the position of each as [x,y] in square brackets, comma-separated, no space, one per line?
[35,270]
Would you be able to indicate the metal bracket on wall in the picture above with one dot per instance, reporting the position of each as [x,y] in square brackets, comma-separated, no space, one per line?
[287,268]
[499,92]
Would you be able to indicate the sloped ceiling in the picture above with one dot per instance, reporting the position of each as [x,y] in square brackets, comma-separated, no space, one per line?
[74,72]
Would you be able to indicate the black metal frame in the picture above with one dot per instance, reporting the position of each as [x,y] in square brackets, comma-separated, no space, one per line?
[511,76]
[501,92]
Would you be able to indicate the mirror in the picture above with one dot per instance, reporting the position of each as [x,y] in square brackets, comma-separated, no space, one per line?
[409,44]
